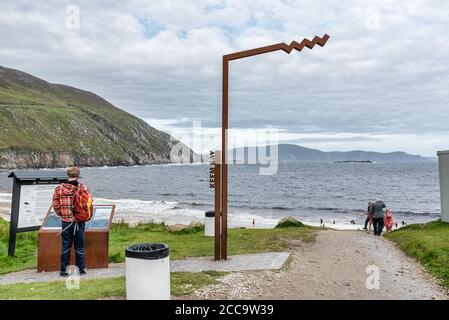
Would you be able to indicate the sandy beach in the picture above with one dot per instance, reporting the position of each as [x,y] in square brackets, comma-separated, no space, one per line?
[131,214]
[334,267]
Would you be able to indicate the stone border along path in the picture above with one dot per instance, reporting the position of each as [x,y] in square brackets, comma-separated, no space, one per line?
[246,262]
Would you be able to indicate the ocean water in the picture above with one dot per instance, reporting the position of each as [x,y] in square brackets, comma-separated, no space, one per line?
[334,192]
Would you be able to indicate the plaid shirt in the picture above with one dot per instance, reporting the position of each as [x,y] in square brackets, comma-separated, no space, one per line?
[63,198]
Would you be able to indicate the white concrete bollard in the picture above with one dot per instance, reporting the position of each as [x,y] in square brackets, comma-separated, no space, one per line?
[147,268]
[209,224]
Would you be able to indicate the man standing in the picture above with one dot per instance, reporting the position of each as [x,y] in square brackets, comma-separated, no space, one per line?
[378,216]
[72,231]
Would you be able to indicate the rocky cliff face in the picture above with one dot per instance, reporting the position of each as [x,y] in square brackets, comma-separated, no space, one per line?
[15,159]
[46,125]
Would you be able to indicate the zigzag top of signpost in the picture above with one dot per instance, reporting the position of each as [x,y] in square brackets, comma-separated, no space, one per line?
[305,43]
[321,41]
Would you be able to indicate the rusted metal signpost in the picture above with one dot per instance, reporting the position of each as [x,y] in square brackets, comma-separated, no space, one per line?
[221,167]
[214,182]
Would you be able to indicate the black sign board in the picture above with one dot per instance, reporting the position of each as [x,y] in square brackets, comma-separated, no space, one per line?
[212,170]
[31,197]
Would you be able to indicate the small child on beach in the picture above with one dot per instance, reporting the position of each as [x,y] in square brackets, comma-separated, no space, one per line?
[388,220]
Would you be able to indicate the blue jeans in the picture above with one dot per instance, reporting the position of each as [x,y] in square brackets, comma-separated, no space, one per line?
[71,236]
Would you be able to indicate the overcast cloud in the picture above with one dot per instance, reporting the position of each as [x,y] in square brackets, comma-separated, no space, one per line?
[380,83]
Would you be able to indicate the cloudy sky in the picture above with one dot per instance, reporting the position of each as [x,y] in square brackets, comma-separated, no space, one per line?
[380,83]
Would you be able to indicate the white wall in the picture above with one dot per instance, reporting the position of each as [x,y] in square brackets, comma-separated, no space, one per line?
[443,157]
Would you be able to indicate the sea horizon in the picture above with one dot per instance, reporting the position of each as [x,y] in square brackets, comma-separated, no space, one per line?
[179,193]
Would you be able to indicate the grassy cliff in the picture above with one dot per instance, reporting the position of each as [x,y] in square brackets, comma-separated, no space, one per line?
[51,125]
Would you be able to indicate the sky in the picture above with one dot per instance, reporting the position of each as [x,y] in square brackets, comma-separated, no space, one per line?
[380,83]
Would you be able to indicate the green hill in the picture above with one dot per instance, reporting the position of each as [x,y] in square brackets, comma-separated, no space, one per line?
[52,125]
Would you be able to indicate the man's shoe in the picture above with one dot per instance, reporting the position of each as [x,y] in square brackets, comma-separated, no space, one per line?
[64,274]
[82,272]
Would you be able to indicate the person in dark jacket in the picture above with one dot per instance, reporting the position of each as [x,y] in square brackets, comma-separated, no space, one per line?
[72,232]
[378,217]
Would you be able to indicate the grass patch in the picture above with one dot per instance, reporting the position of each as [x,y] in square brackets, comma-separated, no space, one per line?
[89,289]
[181,284]
[192,244]
[185,229]
[290,222]
[429,244]
[26,250]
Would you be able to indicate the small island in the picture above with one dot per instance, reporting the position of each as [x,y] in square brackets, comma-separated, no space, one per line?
[353,161]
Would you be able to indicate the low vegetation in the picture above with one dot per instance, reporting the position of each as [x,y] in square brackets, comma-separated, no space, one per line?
[191,242]
[26,250]
[194,227]
[289,222]
[429,244]
[113,288]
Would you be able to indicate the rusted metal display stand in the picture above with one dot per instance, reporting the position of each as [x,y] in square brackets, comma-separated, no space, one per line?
[221,168]
[96,243]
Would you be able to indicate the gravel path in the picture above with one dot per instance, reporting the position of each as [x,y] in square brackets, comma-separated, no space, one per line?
[334,267]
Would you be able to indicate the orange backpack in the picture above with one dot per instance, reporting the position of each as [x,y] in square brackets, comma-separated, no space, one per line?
[82,205]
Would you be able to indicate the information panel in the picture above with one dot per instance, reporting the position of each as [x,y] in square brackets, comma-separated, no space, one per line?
[53,221]
[32,192]
[100,218]
[34,203]
[99,221]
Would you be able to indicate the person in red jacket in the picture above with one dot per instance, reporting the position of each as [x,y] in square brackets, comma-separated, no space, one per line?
[388,220]
[72,232]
